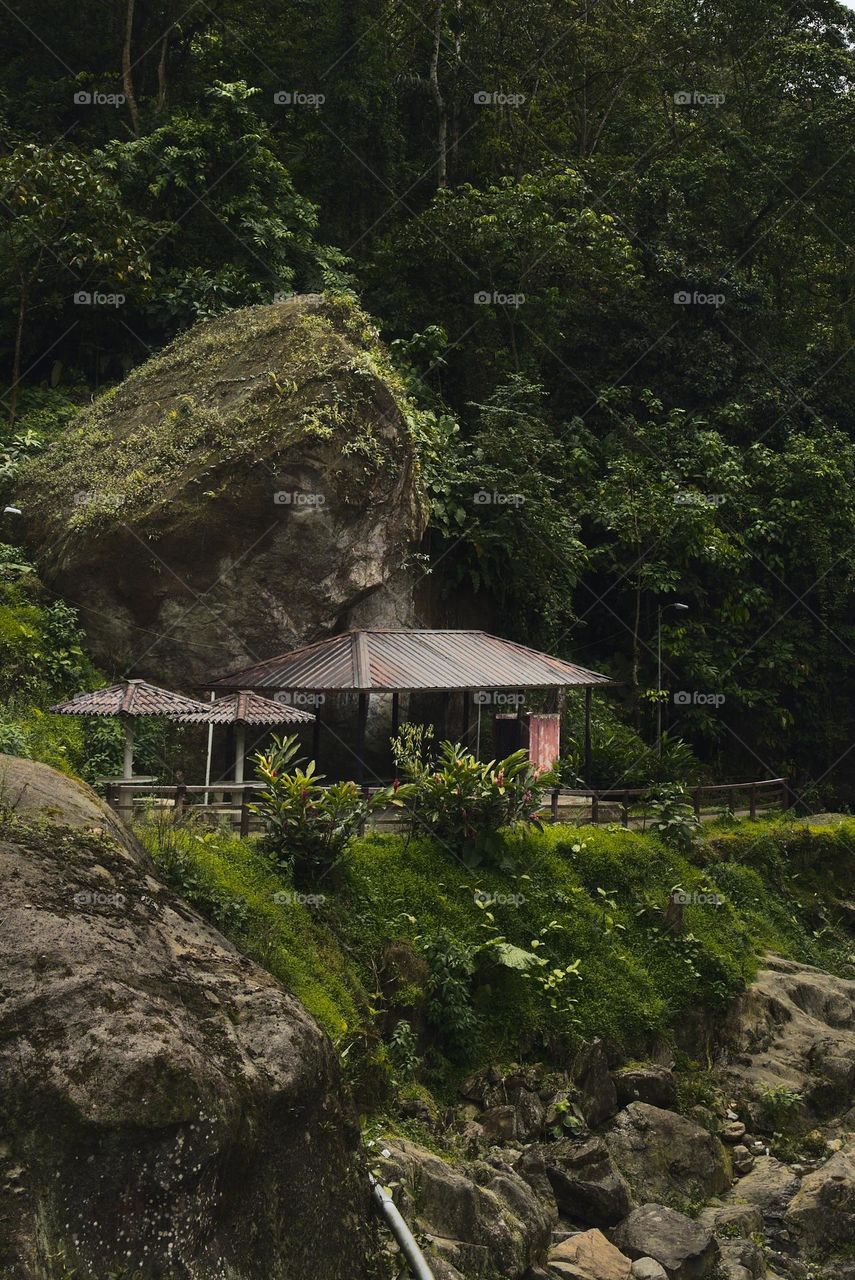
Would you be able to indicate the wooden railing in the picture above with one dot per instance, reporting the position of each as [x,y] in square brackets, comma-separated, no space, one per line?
[232,801]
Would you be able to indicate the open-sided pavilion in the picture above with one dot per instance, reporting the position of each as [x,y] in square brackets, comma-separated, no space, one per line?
[363,663]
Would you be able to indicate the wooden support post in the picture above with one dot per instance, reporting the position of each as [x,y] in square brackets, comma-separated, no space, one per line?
[588,695]
[625,814]
[361,725]
[554,804]
[396,714]
[446,698]
[128,762]
[752,802]
[595,808]
[465,735]
[696,800]
[244,814]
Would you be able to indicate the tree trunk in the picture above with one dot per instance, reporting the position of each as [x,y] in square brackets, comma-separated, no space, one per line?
[127,70]
[161,74]
[442,113]
[19,347]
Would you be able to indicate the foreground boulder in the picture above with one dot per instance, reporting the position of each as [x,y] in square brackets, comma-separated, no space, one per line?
[249,488]
[166,1109]
[684,1248]
[667,1156]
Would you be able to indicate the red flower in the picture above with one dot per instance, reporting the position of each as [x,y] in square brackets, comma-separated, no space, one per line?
[396,784]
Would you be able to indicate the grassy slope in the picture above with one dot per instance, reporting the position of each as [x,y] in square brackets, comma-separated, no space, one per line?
[779,884]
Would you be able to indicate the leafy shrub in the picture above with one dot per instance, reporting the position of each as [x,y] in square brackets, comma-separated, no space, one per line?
[672,818]
[465,803]
[308,825]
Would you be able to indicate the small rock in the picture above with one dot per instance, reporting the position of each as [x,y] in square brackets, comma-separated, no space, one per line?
[743,1160]
[733,1131]
[587,1184]
[648,1269]
[499,1123]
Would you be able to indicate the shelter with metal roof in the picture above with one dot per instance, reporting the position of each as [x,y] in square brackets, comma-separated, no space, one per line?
[398,661]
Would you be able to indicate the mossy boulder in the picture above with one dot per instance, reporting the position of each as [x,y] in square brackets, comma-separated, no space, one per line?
[252,486]
[166,1108]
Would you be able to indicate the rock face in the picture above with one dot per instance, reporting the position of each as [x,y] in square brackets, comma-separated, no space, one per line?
[794,1033]
[248,489]
[646,1082]
[822,1213]
[684,1248]
[665,1155]
[166,1109]
[483,1219]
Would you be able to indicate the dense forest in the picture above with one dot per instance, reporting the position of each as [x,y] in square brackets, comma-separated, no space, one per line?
[608,243]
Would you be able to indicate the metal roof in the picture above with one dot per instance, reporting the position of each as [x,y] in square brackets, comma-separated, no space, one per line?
[407,660]
[247,707]
[132,698]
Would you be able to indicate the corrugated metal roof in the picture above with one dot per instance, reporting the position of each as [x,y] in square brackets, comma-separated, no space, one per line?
[250,708]
[132,698]
[408,660]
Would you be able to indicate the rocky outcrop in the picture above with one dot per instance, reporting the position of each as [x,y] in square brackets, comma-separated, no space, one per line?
[684,1248]
[166,1109]
[793,1046]
[483,1218]
[249,488]
[666,1156]
[646,1082]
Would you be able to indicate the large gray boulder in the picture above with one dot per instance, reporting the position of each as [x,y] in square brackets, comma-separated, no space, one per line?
[666,1156]
[684,1248]
[166,1109]
[251,487]
[587,1184]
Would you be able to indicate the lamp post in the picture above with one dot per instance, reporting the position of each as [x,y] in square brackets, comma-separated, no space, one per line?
[661,609]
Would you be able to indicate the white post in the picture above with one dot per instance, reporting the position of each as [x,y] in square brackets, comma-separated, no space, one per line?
[240,750]
[128,768]
[210,752]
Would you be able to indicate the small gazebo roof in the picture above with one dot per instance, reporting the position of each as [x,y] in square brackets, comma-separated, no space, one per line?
[246,707]
[394,661]
[132,698]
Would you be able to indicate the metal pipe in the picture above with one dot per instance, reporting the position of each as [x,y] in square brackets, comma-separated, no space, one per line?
[388,1210]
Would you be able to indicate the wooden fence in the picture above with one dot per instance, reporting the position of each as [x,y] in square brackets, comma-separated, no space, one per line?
[231,802]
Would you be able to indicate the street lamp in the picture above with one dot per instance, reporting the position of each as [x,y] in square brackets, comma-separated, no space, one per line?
[660,611]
